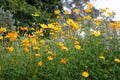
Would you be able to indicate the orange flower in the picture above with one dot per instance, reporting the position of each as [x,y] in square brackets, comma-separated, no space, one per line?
[12,35]
[63,61]
[24,28]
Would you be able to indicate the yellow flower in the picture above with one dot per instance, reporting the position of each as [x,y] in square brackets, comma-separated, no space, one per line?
[61,44]
[76,42]
[1,37]
[37,55]
[42,41]
[36,48]
[67,12]
[26,49]
[65,48]
[75,26]
[87,17]
[3,29]
[104,10]
[49,58]
[70,21]
[35,14]
[102,57]
[40,63]
[32,28]
[76,11]
[110,13]
[85,74]
[10,49]
[63,61]
[79,18]
[57,12]
[88,10]
[117,25]
[98,22]
[112,24]
[89,5]
[77,47]
[97,33]
[117,60]
[58,17]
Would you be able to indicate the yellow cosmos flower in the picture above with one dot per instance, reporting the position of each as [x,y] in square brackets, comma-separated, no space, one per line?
[102,57]
[75,26]
[3,29]
[67,12]
[110,13]
[35,14]
[49,58]
[97,33]
[89,5]
[36,48]
[70,21]
[104,10]
[1,37]
[87,17]
[76,11]
[57,12]
[85,74]
[42,41]
[26,49]
[65,48]
[63,61]
[98,22]
[40,63]
[10,49]
[61,44]
[58,17]
[112,24]
[76,42]
[88,10]
[117,60]
[77,47]
[37,55]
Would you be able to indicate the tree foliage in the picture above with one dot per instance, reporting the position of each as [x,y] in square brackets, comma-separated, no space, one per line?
[22,9]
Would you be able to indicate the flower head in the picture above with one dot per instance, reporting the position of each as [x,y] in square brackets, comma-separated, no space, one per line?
[10,48]
[85,74]
[40,63]
[49,58]
[77,47]
[63,61]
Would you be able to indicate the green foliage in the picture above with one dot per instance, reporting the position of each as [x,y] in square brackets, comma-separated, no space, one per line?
[23,10]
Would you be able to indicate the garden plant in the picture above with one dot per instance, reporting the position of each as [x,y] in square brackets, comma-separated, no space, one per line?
[84,48]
